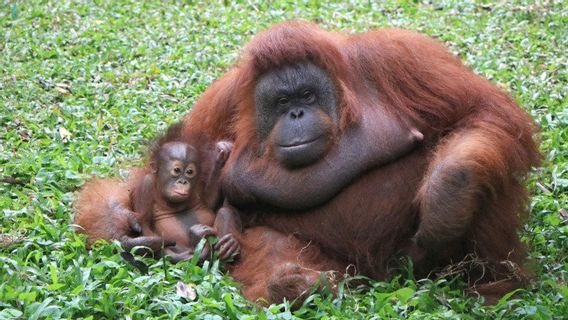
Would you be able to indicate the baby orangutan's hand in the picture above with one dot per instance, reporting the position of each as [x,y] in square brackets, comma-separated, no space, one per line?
[199,231]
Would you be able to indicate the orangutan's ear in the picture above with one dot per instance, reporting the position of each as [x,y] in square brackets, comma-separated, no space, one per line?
[154,167]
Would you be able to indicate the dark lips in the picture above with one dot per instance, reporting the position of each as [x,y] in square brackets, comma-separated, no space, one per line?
[298,145]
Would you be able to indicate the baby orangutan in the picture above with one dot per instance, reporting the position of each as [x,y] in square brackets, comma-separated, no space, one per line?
[168,202]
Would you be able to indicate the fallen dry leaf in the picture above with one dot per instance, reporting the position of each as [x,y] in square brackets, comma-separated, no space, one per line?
[186,291]
[564,214]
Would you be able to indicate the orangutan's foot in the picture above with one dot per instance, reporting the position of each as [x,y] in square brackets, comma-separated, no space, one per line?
[293,283]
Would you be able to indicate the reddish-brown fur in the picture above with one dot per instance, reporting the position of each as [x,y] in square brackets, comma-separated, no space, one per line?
[97,206]
[459,195]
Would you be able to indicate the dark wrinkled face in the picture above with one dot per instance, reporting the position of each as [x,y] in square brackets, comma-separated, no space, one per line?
[296,112]
[177,171]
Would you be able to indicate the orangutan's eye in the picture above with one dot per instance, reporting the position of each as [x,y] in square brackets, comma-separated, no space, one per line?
[190,171]
[283,101]
[309,97]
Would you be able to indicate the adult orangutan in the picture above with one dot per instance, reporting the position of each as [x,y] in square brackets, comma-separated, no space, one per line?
[324,126]
[303,103]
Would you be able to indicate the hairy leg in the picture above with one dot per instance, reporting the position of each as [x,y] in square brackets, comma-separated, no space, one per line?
[467,172]
[472,201]
[102,213]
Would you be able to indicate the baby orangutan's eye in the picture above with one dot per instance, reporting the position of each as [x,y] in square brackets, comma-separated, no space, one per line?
[190,171]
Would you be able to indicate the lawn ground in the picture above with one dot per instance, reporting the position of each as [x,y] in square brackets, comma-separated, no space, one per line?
[84,84]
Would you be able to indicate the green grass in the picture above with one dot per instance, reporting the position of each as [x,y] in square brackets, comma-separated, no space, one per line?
[83,85]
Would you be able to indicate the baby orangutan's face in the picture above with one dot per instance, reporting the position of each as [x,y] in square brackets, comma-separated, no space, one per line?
[177,171]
